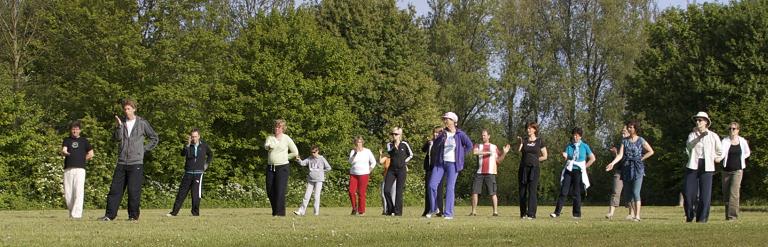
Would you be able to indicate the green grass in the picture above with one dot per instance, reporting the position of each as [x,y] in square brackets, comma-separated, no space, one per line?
[661,226]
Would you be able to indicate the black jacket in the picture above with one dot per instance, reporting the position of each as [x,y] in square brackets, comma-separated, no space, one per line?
[199,163]
[399,156]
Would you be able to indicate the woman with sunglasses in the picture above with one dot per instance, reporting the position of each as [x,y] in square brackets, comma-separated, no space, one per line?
[703,148]
[447,155]
[633,170]
[735,152]
[399,153]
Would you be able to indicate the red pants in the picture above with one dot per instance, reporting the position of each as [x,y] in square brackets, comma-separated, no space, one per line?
[358,184]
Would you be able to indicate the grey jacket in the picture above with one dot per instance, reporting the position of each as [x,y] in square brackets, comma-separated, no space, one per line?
[317,168]
[131,149]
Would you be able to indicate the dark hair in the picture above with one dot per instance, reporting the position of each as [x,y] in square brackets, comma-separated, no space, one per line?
[129,102]
[193,130]
[74,124]
[486,131]
[577,130]
[635,124]
[534,126]
[314,147]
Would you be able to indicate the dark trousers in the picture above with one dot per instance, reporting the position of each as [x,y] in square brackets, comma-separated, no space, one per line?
[394,205]
[528,188]
[571,182]
[440,193]
[697,194]
[132,177]
[277,184]
[193,182]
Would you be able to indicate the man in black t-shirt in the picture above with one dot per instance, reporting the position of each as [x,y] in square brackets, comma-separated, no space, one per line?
[76,151]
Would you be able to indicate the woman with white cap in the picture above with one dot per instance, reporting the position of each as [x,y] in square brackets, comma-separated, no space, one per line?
[735,152]
[447,155]
[703,148]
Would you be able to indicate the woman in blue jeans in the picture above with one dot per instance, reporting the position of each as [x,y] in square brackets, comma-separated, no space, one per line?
[631,150]
[447,155]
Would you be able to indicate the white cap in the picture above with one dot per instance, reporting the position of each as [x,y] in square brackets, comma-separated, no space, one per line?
[451,116]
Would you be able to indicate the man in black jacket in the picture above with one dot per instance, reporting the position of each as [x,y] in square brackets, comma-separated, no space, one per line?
[198,156]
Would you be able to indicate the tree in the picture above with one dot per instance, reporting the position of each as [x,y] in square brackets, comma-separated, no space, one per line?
[704,58]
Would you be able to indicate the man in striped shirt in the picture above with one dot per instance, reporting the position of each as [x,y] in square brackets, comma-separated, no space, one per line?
[488,158]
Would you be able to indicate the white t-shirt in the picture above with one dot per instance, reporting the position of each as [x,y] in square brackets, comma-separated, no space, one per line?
[129,125]
[449,150]
[362,162]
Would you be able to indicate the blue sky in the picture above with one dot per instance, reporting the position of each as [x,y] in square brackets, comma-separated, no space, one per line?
[422,8]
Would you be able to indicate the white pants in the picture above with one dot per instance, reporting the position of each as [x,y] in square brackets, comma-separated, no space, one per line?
[383,198]
[74,186]
[317,187]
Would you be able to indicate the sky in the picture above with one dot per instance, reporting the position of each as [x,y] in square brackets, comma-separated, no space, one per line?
[422,8]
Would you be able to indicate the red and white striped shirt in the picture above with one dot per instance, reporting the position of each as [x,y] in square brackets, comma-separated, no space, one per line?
[487,162]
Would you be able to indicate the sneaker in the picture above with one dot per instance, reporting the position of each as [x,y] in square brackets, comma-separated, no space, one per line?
[495,214]
[636,219]
[360,214]
[354,212]
[133,219]
[170,215]
[553,215]
[576,217]
[428,215]
[104,218]
[609,216]
[472,214]
[629,217]
[448,217]
[296,213]
[439,214]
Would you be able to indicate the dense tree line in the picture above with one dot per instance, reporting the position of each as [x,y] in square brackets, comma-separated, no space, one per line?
[335,69]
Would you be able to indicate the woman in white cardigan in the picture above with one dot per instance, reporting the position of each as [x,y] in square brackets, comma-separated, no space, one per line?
[735,151]
[703,148]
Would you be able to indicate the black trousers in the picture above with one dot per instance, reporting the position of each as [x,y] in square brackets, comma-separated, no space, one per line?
[394,205]
[130,177]
[571,182]
[193,182]
[440,193]
[697,194]
[277,185]
[528,179]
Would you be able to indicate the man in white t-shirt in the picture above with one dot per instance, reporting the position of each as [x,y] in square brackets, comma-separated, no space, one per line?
[488,158]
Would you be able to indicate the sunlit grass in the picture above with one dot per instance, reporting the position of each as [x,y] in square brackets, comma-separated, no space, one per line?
[661,226]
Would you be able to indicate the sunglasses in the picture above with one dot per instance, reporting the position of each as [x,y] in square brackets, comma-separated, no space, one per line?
[734,128]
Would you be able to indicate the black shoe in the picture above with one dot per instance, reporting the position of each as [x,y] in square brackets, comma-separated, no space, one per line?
[104,218]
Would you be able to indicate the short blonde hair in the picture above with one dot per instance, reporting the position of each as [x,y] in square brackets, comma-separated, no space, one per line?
[282,122]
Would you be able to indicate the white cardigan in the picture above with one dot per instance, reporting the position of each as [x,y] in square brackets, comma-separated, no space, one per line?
[712,150]
[745,151]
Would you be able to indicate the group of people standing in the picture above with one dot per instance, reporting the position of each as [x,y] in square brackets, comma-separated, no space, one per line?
[445,155]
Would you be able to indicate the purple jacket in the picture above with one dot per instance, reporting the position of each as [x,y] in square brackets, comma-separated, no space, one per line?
[438,146]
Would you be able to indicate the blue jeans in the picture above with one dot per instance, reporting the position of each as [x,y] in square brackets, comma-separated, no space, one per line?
[632,189]
[448,168]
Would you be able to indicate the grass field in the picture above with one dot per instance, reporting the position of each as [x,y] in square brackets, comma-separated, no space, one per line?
[661,226]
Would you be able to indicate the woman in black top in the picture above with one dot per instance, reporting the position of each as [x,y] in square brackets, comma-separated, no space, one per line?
[533,153]
[735,151]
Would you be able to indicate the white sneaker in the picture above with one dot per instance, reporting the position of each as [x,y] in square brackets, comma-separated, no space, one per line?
[553,215]
[429,215]
[448,217]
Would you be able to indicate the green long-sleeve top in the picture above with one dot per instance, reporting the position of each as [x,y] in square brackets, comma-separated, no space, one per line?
[281,150]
